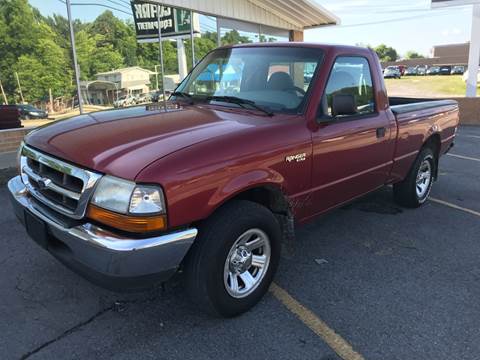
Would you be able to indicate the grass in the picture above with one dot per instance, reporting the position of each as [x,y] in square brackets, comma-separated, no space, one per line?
[427,86]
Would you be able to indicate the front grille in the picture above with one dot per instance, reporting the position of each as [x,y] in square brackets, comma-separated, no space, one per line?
[64,187]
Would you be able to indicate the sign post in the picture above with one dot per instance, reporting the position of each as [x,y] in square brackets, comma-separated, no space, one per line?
[474,56]
[75,62]
[160,46]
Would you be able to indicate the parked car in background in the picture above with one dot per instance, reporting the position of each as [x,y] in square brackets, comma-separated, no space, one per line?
[123,101]
[458,70]
[445,70]
[143,98]
[28,112]
[10,117]
[129,197]
[411,71]
[392,72]
[421,70]
[434,70]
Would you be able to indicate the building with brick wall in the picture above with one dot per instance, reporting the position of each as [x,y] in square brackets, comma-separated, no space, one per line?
[452,54]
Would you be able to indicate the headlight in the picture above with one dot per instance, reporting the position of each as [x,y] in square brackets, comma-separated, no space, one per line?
[127,206]
[113,194]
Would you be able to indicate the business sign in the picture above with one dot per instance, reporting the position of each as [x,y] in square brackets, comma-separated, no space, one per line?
[173,22]
[447,3]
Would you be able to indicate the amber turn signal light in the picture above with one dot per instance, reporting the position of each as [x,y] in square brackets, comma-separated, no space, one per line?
[132,224]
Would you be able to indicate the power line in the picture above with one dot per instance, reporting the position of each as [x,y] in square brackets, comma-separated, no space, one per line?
[119,4]
[393,20]
[101,5]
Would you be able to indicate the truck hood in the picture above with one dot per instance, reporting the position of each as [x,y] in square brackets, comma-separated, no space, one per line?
[123,142]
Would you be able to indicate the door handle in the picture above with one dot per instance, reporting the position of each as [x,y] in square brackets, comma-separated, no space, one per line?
[381,132]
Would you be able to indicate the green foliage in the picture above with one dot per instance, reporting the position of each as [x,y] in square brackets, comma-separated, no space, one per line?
[29,46]
[386,53]
[38,49]
[413,55]
[233,37]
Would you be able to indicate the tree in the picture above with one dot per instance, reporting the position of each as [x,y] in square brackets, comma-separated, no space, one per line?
[118,34]
[413,55]
[45,68]
[96,55]
[386,53]
[203,46]
[233,37]
[30,47]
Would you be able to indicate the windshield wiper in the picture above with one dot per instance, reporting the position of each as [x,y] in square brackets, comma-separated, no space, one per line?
[241,102]
[183,95]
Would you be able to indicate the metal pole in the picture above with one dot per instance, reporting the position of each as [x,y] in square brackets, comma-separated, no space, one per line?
[219,35]
[474,56]
[156,76]
[19,88]
[3,93]
[74,52]
[161,57]
[192,39]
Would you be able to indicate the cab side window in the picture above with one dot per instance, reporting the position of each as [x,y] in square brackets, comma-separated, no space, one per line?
[350,77]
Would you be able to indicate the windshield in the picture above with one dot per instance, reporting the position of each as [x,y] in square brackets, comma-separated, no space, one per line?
[275,78]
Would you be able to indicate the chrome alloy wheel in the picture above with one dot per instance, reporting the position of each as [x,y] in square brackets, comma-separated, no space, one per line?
[247,263]
[424,178]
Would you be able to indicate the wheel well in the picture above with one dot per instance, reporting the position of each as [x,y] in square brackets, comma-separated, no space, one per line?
[275,200]
[434,142]
[269,196]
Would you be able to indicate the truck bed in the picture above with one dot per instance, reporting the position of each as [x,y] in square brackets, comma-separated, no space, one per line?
[418,119]
[402,105]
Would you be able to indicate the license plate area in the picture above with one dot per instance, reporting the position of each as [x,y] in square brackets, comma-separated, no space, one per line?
[36,229]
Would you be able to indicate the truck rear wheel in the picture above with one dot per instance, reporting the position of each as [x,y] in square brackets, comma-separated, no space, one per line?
[233,261]
[415,189]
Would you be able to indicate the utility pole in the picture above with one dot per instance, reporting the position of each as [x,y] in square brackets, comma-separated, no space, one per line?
[192,39]
[74,52]
[474,54]
[19,88]
[3,93]
[161,56]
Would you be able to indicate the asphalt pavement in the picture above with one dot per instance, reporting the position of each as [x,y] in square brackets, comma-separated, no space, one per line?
[390,283]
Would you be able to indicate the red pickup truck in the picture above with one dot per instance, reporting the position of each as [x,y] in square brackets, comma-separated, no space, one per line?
[256,139]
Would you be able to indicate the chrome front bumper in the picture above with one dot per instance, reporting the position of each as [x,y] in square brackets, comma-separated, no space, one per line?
[100,255]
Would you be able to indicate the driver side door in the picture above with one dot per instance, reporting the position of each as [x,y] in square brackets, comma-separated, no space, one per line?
[352,154]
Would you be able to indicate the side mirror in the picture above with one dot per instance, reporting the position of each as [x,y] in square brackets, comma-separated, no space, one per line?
[343,104]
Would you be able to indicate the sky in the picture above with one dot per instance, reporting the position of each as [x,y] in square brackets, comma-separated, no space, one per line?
[403,24]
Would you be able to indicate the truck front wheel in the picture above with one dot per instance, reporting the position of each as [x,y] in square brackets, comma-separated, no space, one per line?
[415,189]
[233,261]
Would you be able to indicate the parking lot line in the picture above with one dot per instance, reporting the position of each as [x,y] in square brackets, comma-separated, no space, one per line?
[464,157]
[453,206]
[319,327]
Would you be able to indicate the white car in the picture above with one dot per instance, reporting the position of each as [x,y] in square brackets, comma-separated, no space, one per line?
[123,101]
[392,72]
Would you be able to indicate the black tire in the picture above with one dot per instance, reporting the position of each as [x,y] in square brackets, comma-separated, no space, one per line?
[405,192]
[206,261]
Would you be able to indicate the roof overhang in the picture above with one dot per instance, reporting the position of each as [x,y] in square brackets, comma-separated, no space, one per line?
[280,14]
